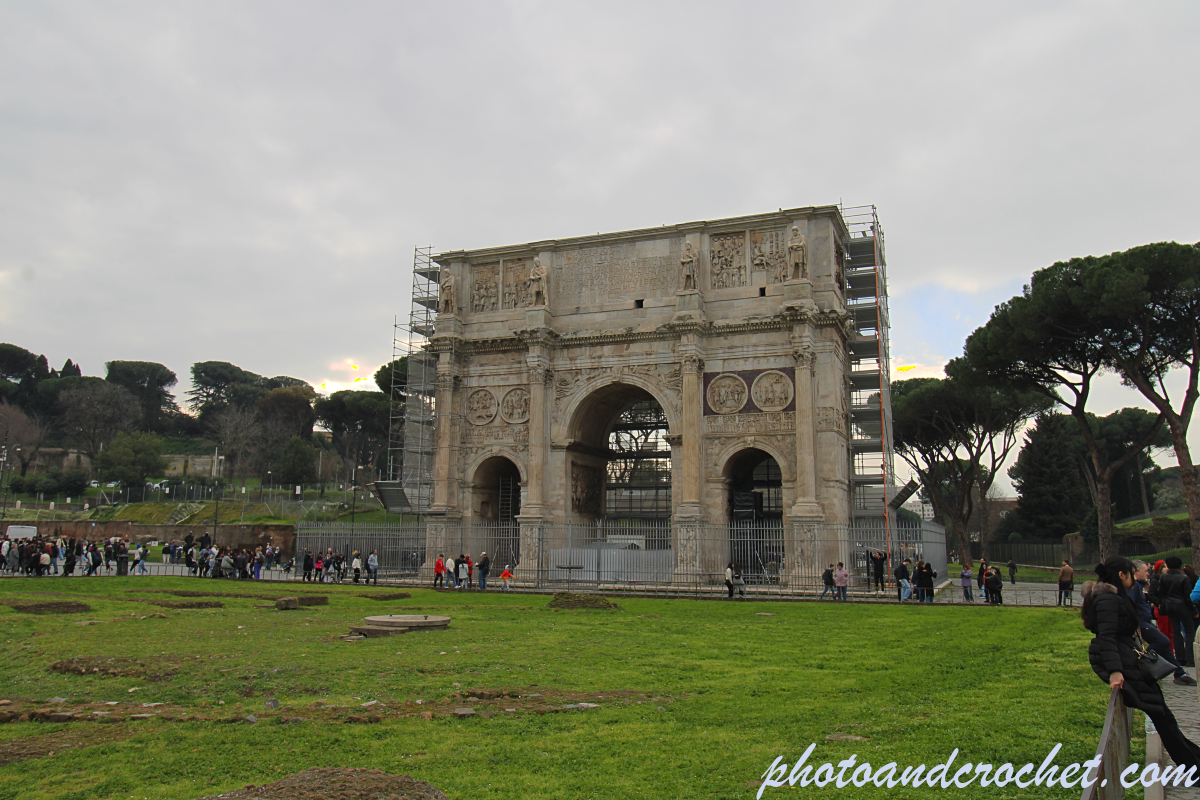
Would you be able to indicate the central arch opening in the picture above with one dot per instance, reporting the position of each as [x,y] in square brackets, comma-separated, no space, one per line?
[619,467]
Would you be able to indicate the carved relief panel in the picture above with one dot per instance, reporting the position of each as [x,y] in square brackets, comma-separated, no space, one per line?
[516,283]
[587,489]
[727,260]
[485,292]
[750,391]
[768,251]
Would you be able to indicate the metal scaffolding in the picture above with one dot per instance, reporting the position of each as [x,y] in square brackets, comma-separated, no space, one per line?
[411,431]
[872,475]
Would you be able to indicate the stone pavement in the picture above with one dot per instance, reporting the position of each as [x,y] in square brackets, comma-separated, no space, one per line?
[1184,702]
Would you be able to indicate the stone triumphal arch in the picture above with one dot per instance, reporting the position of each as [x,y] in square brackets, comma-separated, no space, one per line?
[687,375]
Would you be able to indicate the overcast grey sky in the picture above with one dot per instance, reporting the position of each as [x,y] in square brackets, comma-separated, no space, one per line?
[245,181]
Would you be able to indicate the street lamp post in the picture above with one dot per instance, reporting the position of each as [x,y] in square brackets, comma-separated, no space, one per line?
[354,498]
[4,469]
[216,493]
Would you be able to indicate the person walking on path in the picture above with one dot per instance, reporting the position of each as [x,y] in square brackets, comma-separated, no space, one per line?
[1175,598]
[981,580]
[507,577]
[308,565]
[439,572]
[356,565]
[878,565]
[827,580]
[1066,586]
[1150,632]
[373,567]
[902,577]
[451,575]
[1109,613]
[1012,571]
[485,566]
[1160,614]
[965,578]
[841,579]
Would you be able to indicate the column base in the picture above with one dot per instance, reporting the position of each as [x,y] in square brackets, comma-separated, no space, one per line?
[538,318]
[806,512]
[447,325]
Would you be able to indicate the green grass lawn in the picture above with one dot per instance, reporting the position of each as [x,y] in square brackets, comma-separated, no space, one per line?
[737,689]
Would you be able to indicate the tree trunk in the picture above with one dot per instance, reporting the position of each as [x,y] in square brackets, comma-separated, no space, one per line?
[1191,487]
[1102,493]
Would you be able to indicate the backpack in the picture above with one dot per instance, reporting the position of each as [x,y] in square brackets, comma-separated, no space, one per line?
[827,577]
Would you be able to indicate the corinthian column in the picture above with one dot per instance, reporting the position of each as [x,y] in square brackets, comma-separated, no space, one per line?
[806,505]
[535,489]
[693,368]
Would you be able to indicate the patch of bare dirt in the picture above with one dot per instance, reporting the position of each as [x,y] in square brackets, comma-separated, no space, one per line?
[49,607]
[388,596]
[116,668]
[186,603]
[339,784]
[188,593]
[576,600]
[48,744]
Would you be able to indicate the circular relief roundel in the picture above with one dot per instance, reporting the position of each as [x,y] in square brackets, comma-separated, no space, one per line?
[481,407]
[727,394]
[772,391]
[514,408]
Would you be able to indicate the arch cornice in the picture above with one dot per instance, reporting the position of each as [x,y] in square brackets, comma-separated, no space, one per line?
[666,398]
[518,460]
[728,449]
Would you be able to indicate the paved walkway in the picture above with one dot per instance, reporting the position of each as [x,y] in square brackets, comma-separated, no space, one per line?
[1184,702]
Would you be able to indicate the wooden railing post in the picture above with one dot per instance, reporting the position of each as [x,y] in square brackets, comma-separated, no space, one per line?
[1113,750]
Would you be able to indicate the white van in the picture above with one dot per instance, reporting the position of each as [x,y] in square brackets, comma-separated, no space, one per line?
[21,532]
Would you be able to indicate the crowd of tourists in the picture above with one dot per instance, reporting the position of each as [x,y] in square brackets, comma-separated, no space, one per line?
[68,556]
[460,572]
[332,567]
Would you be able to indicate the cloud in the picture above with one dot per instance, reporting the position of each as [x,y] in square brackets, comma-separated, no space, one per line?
[246,182]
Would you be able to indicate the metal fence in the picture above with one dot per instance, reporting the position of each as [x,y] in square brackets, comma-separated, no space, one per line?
[780,558]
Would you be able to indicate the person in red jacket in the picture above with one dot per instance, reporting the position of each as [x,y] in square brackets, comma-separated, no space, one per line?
[439,572]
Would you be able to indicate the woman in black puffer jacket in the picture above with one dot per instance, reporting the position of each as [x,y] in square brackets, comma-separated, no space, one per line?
[1109,613]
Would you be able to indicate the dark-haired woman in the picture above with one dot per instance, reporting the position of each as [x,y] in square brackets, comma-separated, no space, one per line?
[1108,612]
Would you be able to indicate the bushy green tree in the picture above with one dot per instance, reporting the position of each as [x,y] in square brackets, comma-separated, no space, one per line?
[358,422]
[131,458]
[1047,339]
[1053,497]
[149,383]
[955,433]
[298,463]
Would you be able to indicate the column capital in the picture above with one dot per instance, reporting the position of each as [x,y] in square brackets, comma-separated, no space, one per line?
[692,363]
[805,356]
